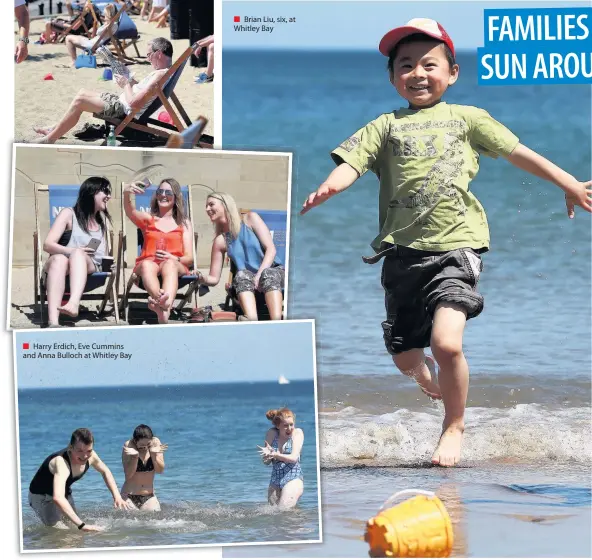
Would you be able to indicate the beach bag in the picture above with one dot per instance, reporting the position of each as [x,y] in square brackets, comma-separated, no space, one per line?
[86,60]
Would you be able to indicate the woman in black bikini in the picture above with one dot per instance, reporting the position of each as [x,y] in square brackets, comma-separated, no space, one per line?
[142,458]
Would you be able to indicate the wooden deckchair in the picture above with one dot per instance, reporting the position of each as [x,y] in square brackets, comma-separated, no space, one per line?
[188,281]
[83,20]
[125,37]
[108,33]
[276,221]
[64,196]
[162,91]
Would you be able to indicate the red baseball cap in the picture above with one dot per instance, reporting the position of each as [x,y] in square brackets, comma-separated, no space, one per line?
[428,27]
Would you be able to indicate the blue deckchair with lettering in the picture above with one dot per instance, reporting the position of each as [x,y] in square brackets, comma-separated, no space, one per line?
[64,196]
[163,91]
[277,222]
[189,281]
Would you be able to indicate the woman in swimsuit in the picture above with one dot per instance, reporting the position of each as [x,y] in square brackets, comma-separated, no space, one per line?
[283,444]
[76,243]
[142,458]
[250,247]
[168,248]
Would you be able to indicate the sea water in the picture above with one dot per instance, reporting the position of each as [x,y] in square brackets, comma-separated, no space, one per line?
[214,487]
[525,490]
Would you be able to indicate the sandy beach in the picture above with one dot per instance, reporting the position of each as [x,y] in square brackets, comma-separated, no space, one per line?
[39,102]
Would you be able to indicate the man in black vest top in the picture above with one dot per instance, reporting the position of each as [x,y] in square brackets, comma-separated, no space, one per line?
[50,494]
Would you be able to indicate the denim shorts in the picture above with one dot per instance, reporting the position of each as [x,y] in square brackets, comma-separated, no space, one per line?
[415,282]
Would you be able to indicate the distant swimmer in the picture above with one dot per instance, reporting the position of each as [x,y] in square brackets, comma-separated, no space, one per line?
[142,458]
[50,493]
[283,445]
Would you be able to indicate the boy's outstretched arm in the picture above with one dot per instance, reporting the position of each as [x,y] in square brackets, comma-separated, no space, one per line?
[576,192]
[341,178]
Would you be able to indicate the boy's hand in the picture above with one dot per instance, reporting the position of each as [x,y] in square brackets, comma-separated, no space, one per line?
[581,195]
[318,197]
[341,178]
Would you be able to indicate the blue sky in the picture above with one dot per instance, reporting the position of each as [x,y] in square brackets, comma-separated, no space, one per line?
[171,355]
[339,24]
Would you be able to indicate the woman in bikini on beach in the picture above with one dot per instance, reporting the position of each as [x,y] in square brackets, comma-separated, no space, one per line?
[142,458]
[283,445]
[167,251]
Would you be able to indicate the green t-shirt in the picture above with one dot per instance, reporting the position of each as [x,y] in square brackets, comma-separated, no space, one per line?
[425,160]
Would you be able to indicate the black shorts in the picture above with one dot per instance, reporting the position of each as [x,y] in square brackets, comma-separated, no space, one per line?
[415,282]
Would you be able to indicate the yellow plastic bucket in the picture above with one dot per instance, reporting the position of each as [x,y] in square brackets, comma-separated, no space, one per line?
[419,527]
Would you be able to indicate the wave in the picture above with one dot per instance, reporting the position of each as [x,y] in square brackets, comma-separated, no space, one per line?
[180,517]
[524,433]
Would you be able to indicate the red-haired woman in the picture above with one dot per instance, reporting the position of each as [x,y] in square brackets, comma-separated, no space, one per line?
[283,445]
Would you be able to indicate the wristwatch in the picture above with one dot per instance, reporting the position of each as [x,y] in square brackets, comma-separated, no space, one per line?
[81,526]
[24,40]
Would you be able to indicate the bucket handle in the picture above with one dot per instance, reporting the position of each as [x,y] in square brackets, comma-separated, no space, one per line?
[396,495]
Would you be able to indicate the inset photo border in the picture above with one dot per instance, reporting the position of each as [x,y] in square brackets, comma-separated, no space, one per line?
[179,236]
[204,435]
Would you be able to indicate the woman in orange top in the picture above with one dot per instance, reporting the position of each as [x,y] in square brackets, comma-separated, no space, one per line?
[168,250]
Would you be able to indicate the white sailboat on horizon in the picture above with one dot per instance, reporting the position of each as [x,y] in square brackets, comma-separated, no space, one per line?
[282,380]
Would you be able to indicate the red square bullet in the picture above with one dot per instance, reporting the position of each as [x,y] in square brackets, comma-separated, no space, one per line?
[236,19]
[25,345]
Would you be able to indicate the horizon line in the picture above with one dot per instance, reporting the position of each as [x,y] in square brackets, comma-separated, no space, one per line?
[33,387]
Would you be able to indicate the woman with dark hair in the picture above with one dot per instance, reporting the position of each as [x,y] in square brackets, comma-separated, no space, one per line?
[77,244]
[142,458]
[167,252]
[283,445]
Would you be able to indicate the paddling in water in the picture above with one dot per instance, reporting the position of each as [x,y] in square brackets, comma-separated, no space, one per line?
[50,493]
[142,459]
[283,445]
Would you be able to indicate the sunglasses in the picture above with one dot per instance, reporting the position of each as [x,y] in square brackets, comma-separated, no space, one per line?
[106,190]
[164,192]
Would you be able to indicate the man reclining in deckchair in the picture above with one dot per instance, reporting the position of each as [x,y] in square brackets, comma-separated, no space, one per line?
[107,104]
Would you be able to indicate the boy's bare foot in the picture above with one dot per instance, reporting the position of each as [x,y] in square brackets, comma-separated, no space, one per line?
[447,453]
[70,309]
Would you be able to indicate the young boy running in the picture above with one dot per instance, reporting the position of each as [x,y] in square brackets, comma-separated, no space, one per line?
[432,228]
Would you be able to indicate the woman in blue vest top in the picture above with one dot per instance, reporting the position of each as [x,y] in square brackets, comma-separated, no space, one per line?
[250,247]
